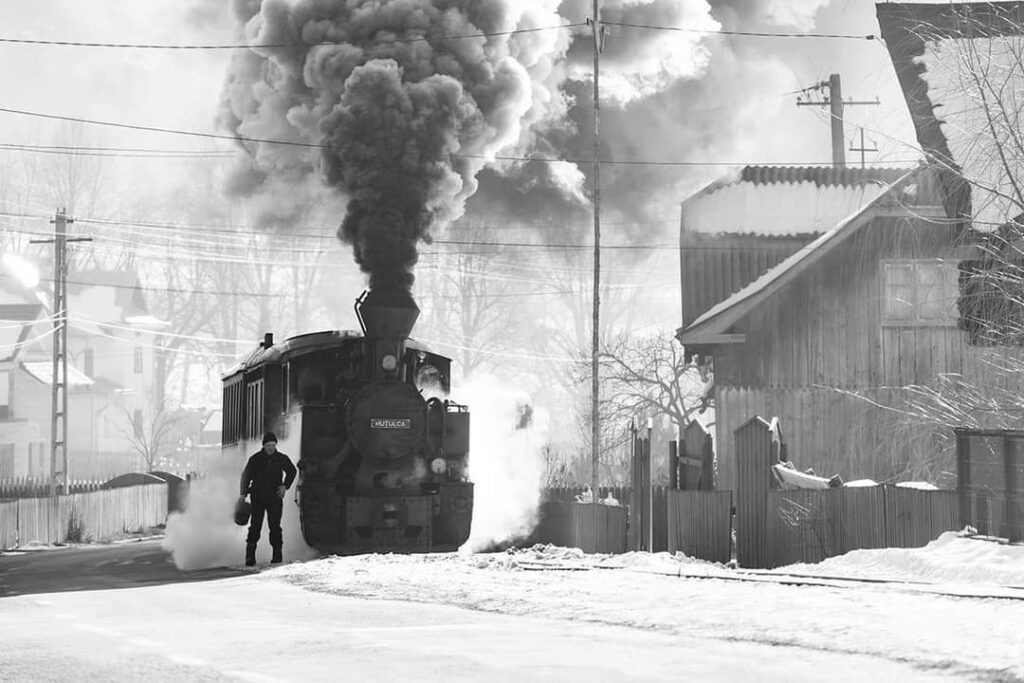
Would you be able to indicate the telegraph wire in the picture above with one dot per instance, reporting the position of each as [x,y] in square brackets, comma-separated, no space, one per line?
[754,34]
[238,46]
[314,145]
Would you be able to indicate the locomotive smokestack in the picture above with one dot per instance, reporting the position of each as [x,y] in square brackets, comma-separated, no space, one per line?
[387,313]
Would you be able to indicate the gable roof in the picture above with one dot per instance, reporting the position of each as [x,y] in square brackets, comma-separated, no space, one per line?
[124,285]
[907,30]
[784,200]
[711,326]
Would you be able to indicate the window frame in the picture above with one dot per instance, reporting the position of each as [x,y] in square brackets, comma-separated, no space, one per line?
[946,266]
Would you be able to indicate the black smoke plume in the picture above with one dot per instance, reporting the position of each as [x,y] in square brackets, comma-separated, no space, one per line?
[408,110]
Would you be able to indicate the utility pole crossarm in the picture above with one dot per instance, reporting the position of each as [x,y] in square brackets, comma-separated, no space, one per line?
[836,106]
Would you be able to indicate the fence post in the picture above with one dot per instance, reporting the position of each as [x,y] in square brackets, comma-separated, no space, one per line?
[1010,495]
[963,476]
[673,465]
[753,479]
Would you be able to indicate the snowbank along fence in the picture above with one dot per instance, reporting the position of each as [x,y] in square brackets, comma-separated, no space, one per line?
[79,517]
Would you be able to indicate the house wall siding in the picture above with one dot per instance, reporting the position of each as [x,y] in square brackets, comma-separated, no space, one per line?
[821,338]
[715,266]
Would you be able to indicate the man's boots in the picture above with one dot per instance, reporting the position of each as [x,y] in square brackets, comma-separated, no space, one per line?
[250,555]
[276,559]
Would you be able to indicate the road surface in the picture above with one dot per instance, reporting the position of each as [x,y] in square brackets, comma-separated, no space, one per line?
[122,613]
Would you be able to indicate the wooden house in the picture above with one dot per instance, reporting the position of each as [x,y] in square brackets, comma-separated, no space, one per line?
[854,334]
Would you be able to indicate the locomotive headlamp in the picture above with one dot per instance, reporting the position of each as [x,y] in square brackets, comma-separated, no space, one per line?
[438,465]
[389,363]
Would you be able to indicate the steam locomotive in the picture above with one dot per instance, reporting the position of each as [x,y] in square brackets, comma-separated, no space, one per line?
[383,454]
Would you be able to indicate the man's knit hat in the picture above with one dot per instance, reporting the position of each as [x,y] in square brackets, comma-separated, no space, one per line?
[269,438]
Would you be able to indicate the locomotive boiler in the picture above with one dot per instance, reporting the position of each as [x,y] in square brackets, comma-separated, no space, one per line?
[382,451]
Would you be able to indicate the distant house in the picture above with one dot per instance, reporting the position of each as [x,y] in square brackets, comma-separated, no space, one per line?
[110,376]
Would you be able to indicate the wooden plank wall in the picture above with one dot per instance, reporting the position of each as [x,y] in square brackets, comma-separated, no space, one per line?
[715,266]
[697,458]
[915,518]
[809,526]
[591,527]
[836,433]
[753,444]
[700,524]
[100,515]
[624,494]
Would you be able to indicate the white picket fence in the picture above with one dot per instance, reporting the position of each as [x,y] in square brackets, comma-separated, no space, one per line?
[89,516]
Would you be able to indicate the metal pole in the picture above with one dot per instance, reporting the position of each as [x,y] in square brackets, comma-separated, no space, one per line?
[649,485]
[595,385]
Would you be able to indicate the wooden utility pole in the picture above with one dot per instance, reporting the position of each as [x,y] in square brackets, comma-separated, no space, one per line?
[595,384]
[837,107]
[59,378]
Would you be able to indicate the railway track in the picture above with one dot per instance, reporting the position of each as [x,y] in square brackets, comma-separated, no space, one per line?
[976,592]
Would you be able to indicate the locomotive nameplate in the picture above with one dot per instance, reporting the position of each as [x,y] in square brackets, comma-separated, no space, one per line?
[390,423]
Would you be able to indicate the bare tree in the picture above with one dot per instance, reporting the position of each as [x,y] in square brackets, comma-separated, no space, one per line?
[154,438]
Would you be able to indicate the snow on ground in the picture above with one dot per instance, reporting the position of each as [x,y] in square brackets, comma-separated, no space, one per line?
[658,591]
[948,559]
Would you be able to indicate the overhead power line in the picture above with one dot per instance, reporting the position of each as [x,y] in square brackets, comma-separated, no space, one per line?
[314,145]
[754,34]
[246,46]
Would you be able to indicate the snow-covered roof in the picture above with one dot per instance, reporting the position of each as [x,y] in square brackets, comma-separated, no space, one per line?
[43,371]
[726,312]
[779,200]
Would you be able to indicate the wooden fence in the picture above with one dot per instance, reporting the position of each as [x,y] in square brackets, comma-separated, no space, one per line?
[811,525]
[39,487]
[89,516]
[624,494]
[591,527]
[700,524]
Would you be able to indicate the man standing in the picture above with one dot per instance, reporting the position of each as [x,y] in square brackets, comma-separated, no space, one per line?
[267,476]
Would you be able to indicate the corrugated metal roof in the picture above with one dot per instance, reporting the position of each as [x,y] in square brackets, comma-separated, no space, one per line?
[819,175]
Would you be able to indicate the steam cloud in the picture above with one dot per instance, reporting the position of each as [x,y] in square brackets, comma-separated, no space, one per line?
[506,462]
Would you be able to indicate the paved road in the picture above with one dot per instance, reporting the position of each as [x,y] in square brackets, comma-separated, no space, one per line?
[123,613]
[82,568]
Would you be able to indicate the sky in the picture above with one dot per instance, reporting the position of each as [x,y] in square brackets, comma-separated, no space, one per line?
[180,89]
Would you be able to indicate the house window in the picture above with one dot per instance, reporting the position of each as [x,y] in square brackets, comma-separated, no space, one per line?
[138,360]
[5,395]
[920,292]
[6,460]
[87,362]
[137,423]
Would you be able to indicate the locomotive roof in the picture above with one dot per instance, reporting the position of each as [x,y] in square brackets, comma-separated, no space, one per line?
[304,343]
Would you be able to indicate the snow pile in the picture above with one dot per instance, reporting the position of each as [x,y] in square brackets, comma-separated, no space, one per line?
[951,558]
